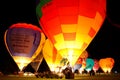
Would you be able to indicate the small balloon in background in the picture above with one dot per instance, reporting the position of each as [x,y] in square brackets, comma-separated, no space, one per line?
[106,64]
[96,65]
[89,64]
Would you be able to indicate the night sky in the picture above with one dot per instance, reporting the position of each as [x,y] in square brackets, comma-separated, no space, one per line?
[105,44]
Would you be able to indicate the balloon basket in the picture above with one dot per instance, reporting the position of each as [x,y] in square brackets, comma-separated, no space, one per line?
[21,73]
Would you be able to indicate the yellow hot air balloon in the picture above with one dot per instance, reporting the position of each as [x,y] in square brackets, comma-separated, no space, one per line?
[51,56]
[71,24]
[106,64]
[24,42]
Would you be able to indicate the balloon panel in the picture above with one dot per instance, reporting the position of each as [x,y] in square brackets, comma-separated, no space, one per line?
[22,41]
[71,24]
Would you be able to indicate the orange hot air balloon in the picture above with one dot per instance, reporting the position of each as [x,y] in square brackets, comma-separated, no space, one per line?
[84,55]
[51,56]
[71,24]
[106,64]
[82,58]
[24,42]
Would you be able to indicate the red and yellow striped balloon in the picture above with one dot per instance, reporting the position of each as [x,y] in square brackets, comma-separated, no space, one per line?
[71,24]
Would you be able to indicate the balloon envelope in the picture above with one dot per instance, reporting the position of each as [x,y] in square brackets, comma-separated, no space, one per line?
[24,42]
[82,57]
[71,24]
[96,65]
[89,64]
[51,56]
[106,64]
[84,54]
[77,66]
[37,61]
[83,65]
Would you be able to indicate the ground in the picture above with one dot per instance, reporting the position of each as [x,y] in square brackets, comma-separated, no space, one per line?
[100,76]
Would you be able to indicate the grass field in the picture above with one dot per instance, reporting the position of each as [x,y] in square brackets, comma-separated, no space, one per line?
[77,77]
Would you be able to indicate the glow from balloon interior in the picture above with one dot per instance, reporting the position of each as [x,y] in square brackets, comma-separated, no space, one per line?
[70,53]
[22,61]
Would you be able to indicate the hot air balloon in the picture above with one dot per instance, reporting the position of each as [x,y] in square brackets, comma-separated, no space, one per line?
[71,24]
[64,61]
[37,61]
[106,64]
[77,67]
[84,55]
[83,66]
[51,56]
[96,65]
[24,42]
[89,64]
[80,63]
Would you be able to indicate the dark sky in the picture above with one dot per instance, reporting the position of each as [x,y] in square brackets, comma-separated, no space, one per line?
[105,44]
